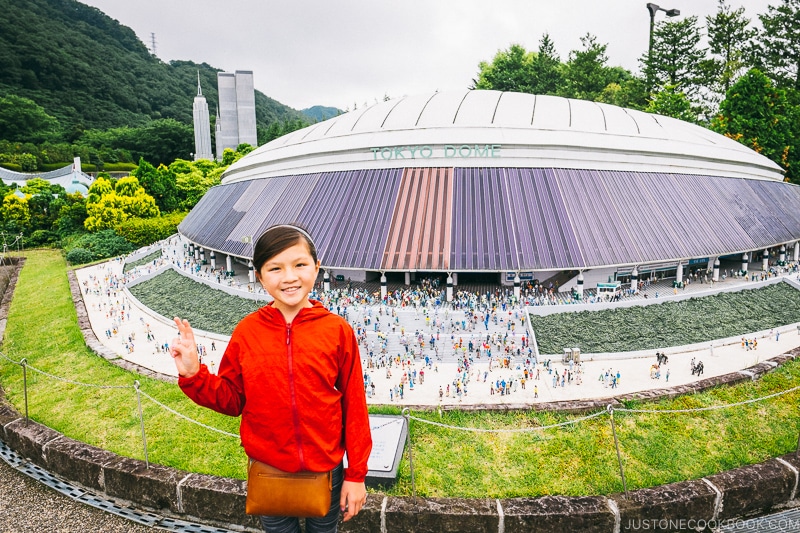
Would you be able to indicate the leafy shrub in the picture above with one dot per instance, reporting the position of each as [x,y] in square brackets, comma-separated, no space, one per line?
[42,237]
[119,167]
[28,162]
[145,231]
[103,244]
[47,167]
[79,256]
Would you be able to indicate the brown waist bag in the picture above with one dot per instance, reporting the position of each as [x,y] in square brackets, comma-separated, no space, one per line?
[273,492]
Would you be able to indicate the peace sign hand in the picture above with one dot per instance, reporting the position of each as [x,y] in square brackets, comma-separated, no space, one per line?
[184,350]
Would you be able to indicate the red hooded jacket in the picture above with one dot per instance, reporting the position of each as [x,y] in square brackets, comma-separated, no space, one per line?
[299,388]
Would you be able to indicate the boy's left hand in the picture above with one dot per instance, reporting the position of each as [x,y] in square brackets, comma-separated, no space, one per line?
[354,496]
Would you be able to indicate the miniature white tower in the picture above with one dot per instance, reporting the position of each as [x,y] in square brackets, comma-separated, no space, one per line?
[202,126]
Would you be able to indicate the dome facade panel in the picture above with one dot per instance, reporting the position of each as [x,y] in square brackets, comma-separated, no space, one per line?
[489,129]
[477,109]
[405,113]
[372,118]
[648,124]
[419,237]
[343,124]
[514,110]
[619,121]
[586,116]
[441,109]
[311,133]
[551,113]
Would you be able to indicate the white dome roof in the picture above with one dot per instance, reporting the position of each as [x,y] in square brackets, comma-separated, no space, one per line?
[502,129]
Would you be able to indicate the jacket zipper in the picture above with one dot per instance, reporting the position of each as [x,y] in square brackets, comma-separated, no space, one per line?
[295,411]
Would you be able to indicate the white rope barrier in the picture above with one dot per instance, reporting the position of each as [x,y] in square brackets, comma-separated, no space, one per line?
[80,383]
[176,413]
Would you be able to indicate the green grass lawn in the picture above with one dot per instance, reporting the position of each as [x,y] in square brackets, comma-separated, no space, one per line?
[575,460]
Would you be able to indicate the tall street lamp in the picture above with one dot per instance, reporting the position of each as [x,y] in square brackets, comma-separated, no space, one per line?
[653,9]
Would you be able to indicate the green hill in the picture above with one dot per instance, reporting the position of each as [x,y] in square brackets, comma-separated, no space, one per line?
[90,72]
[319,113]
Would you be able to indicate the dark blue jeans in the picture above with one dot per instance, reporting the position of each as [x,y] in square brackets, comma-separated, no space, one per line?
[327,524]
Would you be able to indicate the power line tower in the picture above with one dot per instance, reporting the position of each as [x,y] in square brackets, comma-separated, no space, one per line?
[153,43]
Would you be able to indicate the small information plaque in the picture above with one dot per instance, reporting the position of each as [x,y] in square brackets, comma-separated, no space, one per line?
[389,434]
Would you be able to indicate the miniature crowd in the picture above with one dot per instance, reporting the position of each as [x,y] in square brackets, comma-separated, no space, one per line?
[417,350]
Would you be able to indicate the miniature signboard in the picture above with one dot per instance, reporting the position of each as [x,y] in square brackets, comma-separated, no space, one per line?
[389,434]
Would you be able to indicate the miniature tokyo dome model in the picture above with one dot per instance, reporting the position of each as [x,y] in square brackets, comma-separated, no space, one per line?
[502,183]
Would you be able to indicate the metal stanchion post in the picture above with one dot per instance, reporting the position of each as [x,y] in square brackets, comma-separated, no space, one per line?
[797,452]
[141,421]
[24,364]
[407,414]
[616,445]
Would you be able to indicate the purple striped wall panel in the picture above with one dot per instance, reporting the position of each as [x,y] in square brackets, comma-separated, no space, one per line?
[523,241]
[378,197]
[600,231]
[275,203]
[213,217]
[349,215]
[650,231]
[779,195]
[496,230]
[259,203]
[560,248]
[777,223]
[695,215]
[482,228]
[736,199]
[241,209]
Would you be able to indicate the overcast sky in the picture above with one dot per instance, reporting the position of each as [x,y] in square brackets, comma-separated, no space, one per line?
[342,52]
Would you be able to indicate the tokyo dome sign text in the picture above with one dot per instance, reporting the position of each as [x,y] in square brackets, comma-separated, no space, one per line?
[428,151]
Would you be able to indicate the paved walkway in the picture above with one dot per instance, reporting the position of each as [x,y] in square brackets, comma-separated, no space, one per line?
[28,505]
[125,330]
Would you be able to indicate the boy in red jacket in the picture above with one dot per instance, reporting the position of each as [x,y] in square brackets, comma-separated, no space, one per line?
[293,371]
